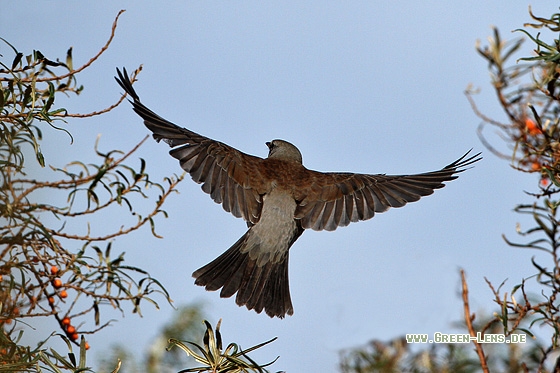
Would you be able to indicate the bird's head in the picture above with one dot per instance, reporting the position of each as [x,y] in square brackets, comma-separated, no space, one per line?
[280,149]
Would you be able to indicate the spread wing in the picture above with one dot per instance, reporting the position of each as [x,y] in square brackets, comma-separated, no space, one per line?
[336,199]
[230,177]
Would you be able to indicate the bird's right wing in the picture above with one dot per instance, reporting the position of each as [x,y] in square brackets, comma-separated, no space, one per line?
[230,176]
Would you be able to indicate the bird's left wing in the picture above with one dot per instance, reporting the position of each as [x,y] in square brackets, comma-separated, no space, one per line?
[231,177]
[332,200]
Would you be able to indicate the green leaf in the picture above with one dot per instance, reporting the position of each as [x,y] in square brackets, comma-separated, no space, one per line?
[44,358]
[17,60]
[527,331]
[69,59]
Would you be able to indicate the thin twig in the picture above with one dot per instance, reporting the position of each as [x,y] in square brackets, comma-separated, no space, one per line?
[468,319]
[107,109]
[92,60]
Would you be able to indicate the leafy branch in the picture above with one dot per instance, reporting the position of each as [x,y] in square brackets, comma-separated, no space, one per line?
[215,359]
[50,266]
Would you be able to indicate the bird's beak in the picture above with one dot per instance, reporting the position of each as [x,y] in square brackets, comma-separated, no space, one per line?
[269,144]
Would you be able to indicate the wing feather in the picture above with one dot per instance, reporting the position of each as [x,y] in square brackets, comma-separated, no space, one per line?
[230,177]
[336,199]
[325,215]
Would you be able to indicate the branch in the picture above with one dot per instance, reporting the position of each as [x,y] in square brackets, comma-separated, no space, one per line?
[106,110]
[92,60]
[469,319]
[123,231]
[72,183]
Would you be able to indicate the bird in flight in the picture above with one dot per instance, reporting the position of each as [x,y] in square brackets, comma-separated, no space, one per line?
[278,198]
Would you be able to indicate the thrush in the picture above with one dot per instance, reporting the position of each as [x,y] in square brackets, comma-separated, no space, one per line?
[278,198]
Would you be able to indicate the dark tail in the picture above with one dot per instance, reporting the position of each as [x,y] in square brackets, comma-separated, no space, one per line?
[258,287]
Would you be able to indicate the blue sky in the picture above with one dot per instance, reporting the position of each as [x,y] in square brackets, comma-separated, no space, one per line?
[362,87]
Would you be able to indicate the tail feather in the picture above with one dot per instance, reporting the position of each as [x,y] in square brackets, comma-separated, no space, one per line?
[224,271]
[276,291]
[253,290]
[233,276]
[259,288]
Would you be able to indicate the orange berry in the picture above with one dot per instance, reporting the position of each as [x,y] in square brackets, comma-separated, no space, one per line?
[70,329]
[74,336]
[57,283]
[54,270]
[87,346]
[535,166]
[66,321]
[51,300]
[532,127]
[63,294]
